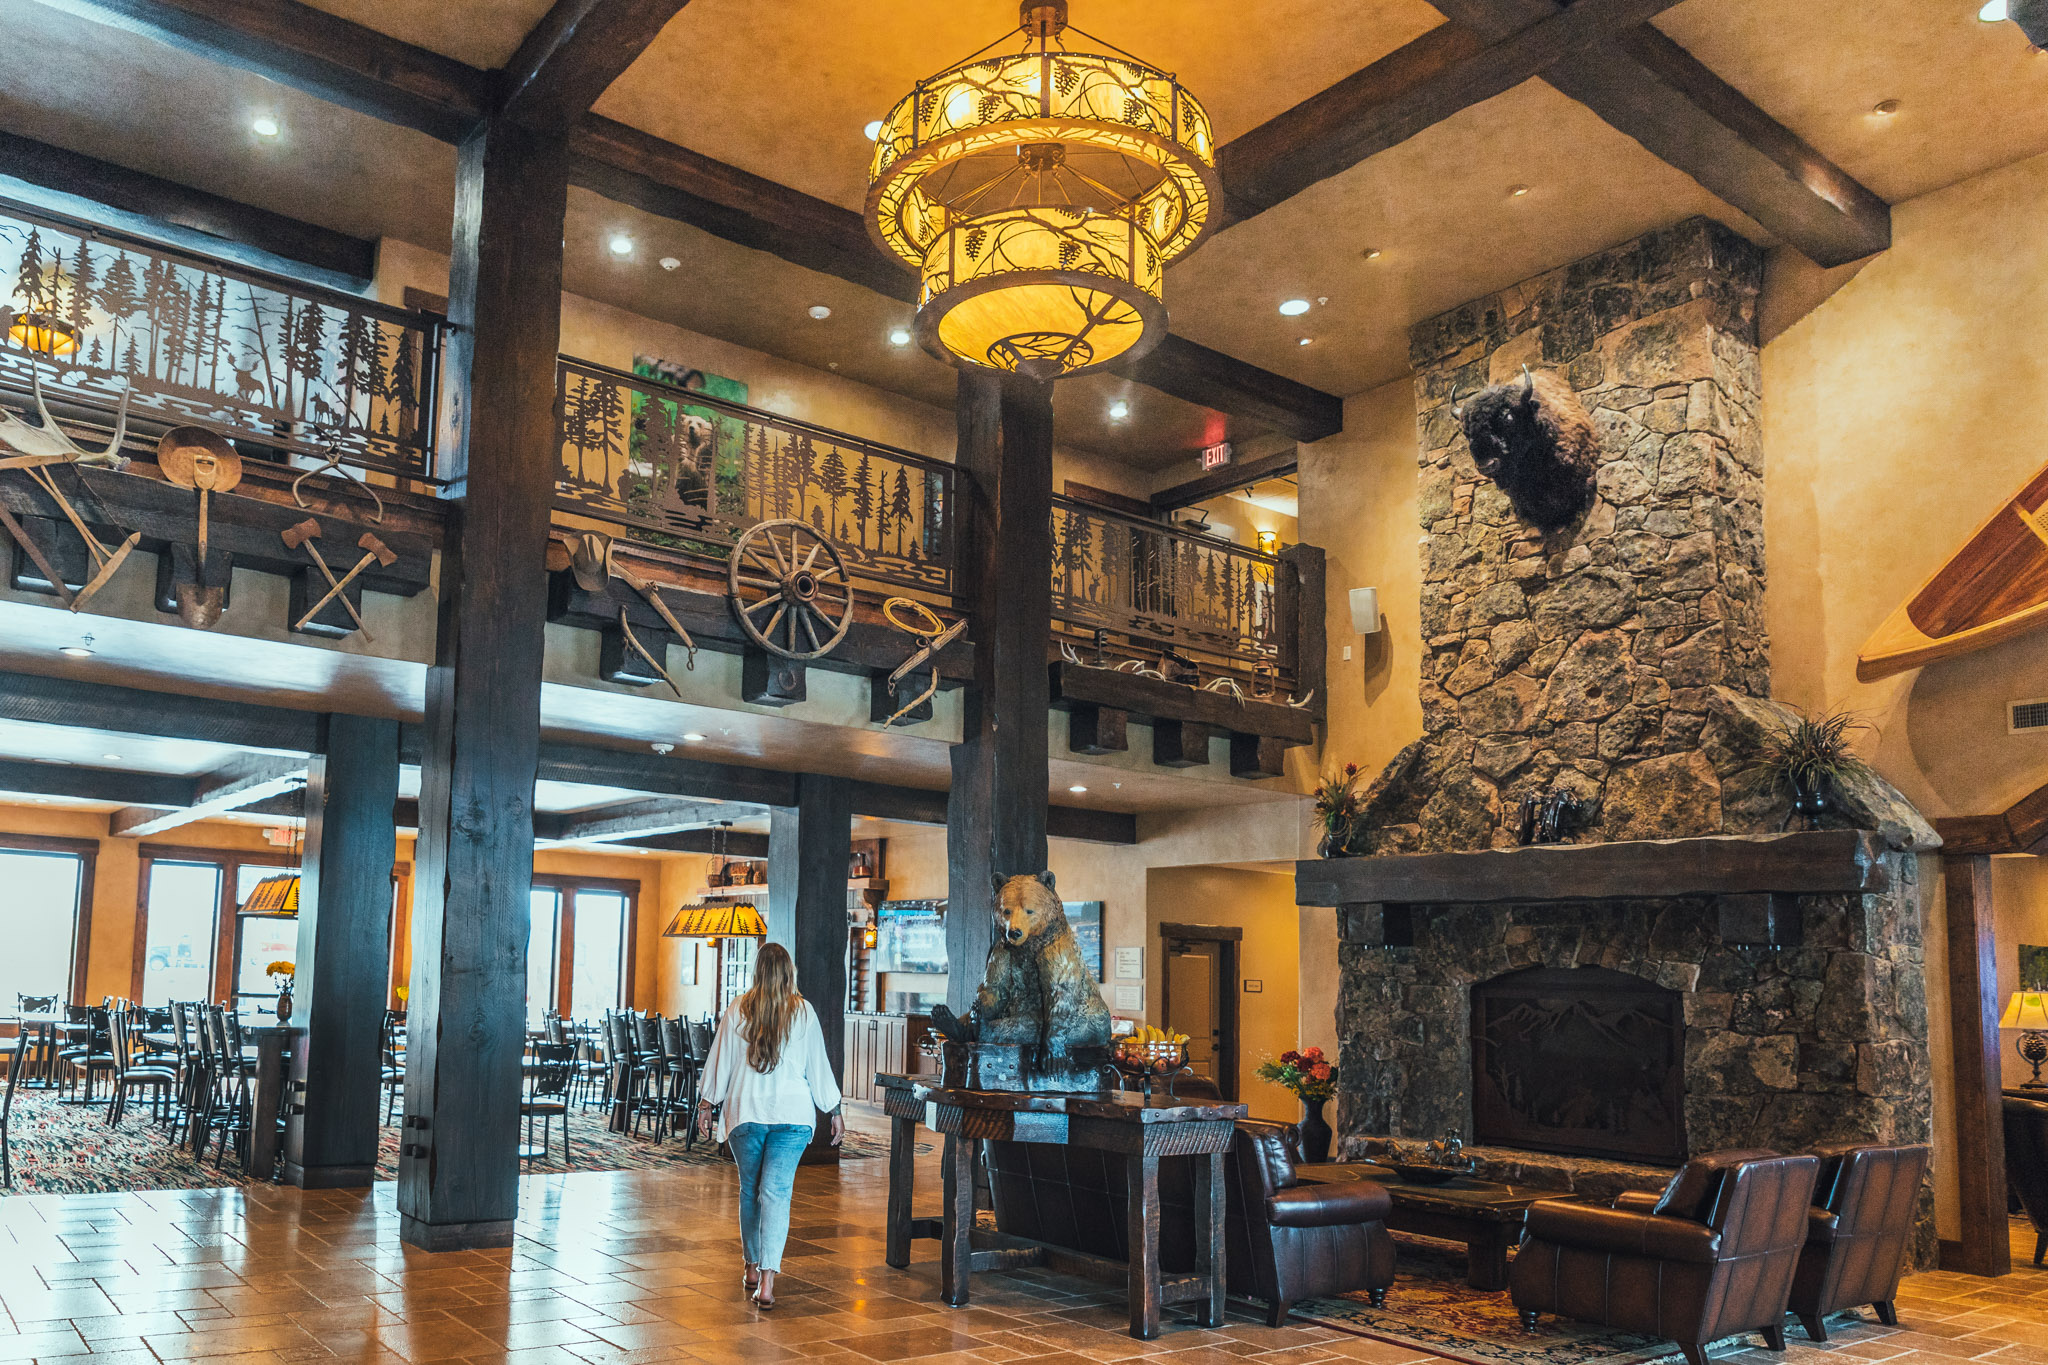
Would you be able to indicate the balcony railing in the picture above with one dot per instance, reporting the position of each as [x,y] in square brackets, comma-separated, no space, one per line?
[271,362]
[679,468]
[1165,588]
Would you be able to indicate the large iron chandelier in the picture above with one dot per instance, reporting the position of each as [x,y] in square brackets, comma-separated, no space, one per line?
[1040,194]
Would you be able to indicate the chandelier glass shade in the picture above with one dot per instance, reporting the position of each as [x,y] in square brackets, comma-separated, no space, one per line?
[717,917]
[1040,195]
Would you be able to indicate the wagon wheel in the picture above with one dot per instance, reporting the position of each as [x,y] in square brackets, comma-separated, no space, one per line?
[787,580]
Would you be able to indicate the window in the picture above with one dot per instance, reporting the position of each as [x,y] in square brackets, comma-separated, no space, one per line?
[578,951]
[190,942]
[182,930]
[49,885]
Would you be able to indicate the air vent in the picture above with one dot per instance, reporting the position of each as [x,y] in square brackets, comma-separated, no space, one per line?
[2024,717]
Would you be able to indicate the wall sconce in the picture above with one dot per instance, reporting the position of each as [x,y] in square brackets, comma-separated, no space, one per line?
[1269,542]
[1365,610]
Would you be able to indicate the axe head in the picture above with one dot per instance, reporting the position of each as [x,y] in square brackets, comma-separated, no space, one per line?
[298,535]
[373,546]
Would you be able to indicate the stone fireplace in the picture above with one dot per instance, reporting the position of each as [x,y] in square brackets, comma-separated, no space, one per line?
[1677,978]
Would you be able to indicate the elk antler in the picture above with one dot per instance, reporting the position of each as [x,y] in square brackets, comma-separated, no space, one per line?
[49,439]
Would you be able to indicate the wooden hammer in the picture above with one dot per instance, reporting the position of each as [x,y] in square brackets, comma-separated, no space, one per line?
[375,551]
[302,536]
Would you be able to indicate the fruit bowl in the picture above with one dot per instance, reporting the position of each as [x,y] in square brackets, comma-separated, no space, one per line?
[1158,1058]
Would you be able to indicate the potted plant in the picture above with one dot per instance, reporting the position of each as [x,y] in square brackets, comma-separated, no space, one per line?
[282,973]
[1337,809]
[1312,1078]
[1810,755]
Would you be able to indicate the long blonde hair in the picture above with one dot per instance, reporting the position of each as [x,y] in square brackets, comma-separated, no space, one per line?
[768,1009]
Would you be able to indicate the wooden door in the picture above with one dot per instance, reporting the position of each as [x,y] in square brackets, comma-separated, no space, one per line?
[1199,998]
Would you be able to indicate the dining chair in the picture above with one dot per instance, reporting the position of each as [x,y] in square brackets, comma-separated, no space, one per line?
[127,1075]
[16,1058]
[392,1067]
[547,1096]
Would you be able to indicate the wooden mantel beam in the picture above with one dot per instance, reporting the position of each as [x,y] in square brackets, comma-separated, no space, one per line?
[1649,87]
[572,56]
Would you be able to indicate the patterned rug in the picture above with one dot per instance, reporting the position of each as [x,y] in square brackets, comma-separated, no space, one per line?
[69,1149]
[1430,1307]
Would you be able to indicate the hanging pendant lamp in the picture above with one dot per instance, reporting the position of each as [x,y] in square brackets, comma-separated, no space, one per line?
[1040,194]
[717,916]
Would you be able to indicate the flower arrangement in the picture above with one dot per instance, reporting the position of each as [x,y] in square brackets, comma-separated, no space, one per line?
[1308,1074]
[1811,755]
[1337,810]
[281,968]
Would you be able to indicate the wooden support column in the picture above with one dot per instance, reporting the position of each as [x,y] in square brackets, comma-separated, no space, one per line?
[810,850]
[458,1174]
[996,810]
[1985,1246]
[344,955]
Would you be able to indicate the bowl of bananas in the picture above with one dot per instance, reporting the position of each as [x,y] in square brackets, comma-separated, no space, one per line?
[1148,1054]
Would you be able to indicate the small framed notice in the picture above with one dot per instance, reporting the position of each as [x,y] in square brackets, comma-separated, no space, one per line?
[1130,964]
[1130,997]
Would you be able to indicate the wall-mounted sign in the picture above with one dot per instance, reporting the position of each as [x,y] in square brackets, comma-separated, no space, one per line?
[1216,456]
[1130,964]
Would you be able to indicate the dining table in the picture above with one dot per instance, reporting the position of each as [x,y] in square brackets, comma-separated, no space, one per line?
[50,1028]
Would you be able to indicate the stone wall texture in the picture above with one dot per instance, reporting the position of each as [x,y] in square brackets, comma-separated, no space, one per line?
[1787,1049]
[1587,659]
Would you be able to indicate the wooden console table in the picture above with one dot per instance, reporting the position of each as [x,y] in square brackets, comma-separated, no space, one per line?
[1140,1130]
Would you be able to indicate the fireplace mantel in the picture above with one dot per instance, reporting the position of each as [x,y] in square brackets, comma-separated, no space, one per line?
[1817,862]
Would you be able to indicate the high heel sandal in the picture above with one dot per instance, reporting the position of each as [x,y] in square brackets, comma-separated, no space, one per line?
[764,1305]
[750,1280]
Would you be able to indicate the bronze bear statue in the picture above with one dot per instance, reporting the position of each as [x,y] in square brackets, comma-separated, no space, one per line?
[1534,439]
[1038,993]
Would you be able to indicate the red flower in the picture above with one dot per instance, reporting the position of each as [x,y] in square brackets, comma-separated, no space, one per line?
[1313,1054]
[1320,1071]
[1350,770]
[1290,1058]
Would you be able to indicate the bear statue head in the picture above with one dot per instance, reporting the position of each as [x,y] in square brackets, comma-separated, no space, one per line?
[1029,907]
[1533,438]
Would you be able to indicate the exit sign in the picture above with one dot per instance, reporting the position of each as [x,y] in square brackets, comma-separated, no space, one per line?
[1216,456]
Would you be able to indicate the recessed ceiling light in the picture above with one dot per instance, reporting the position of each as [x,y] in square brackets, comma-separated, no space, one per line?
[81,650]
[874,129]
[1885,108]
[620,244]
[1119,410]
[819,311]
[1372,253]
[900,337]
[1518,191]
[1294,308]
[111,758]
[1077,788]
[693,738]
[1994,12]
[670,263]
[265,125]
[1305,341]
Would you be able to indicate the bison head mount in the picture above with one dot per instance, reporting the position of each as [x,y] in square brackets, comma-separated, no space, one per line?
[1532,437]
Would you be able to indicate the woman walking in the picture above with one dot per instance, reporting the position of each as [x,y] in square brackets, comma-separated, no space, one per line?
[766,1077]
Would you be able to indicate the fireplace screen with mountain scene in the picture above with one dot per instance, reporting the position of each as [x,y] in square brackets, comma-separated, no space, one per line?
[1579,1060]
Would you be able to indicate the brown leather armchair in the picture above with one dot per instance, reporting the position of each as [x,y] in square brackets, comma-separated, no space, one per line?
[2026,1163]
[1289,1241]
[1857,1232]
[1715,1254]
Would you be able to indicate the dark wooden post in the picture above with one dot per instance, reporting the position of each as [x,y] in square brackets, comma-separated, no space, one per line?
[996,811]
[344,956]
[810,849]
[1985,1246]
[458,1175]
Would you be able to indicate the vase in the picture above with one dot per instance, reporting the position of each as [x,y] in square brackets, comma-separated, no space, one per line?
[1315,1134]
[1809,802]
[284,1005]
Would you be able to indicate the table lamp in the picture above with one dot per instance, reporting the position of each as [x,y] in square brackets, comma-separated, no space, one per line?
[2028,1012]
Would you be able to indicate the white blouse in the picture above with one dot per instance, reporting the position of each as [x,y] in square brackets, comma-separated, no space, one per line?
[799,1086]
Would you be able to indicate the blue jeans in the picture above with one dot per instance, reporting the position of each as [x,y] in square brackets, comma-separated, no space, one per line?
[767,1154]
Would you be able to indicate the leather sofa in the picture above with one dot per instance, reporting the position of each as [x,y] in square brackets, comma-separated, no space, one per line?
[1714,1254]
[1285,1241]
[1857,1233]
[2026,1163]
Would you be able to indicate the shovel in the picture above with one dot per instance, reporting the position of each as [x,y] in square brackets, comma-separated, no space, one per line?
[193,457]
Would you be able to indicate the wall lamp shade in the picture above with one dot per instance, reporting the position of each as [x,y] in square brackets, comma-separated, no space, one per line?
[717,917]
[1365,610]
[2027,1011]
[43,333]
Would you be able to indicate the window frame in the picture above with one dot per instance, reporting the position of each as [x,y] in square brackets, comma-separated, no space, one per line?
[566,886]
[227,942]
[87,851]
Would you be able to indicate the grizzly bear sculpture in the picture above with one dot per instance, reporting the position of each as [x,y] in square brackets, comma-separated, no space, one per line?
[1038,994]
[1533,438]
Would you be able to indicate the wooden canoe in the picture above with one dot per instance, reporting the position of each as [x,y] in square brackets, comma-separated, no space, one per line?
[1992,589]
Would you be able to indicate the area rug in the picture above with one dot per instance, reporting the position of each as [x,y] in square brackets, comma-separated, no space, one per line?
[1431,1308]
[69,1149]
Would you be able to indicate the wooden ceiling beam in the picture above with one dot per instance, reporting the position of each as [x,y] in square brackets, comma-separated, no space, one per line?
[1650,88]
[241,783]
[294,44]
[113,709]
[1415,87]
[72,783]
[226,225]
[642,819]
[1187,370]
[572,56]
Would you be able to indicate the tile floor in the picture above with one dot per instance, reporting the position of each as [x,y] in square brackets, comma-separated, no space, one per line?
[633,1266]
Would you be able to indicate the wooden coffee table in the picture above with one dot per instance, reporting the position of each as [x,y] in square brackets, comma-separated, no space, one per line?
[1485,1216]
